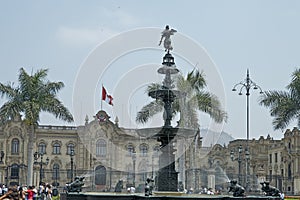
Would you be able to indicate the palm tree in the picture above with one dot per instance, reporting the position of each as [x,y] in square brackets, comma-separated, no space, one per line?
[284,105]
[33,95]
[194,99]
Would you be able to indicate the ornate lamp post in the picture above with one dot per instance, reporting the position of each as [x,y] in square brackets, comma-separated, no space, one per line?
[40,155]
[247,84]
[72,153]
[133,154]
[152,173]
[239,159]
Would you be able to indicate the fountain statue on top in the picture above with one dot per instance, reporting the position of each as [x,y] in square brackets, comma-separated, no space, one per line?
[166,35]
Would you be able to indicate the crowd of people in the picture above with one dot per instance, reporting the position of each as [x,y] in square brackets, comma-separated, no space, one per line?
[43,192]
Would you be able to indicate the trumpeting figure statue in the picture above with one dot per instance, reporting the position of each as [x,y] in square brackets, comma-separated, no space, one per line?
[166,35]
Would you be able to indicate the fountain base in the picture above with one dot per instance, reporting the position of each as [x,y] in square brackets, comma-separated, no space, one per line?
[156,196]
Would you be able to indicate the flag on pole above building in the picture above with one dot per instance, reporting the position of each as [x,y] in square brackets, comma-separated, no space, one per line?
[106,97]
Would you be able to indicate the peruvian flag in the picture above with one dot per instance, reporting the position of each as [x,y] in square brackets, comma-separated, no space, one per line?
[106,97]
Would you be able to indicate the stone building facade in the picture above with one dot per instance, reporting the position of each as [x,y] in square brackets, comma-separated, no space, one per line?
[275,161]
[105,153]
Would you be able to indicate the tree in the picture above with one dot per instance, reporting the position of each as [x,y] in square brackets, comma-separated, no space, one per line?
[194,98]
[33,95]
[284,105]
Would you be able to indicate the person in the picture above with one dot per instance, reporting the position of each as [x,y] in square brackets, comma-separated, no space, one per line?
[22,193]
[281,195]
[48,192]
[29,193]
[55,194]
[11,194]
[34,192]
[166,35]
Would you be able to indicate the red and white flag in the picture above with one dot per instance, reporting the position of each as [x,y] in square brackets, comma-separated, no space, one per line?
[106,97]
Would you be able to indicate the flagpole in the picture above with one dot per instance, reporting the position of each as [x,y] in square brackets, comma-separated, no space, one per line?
[101,97]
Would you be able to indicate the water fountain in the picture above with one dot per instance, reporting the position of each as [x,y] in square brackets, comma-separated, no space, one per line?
[167,180]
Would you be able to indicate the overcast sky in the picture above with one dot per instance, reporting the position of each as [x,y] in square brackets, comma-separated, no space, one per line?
[61,35]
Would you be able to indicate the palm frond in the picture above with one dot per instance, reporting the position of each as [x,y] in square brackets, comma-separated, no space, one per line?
[56,107]
[149,111]
[294,86]
[8,91]
[210,104]
[283,105]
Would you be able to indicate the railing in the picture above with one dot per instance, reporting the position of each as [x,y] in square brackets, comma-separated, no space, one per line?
[49,127]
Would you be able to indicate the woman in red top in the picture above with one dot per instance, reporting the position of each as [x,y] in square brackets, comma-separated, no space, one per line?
[30,193]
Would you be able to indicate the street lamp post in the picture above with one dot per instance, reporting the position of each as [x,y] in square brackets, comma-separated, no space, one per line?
[40,155]
[133,161]
[247,84]
[239,159]
[72,164]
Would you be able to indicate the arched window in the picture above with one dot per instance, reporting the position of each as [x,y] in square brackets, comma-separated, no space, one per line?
[14,173]
[15,146]
[55,175]
[156,151]
[70,147]
[143,150]
[100,175]
[56,148]
[130,149]
[42,148]
[101,148]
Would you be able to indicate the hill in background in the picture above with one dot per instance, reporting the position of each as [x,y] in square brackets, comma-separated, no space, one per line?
[210,138]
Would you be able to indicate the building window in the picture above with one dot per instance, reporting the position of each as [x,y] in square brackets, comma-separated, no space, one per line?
[69,174]
[270,179]
[144,150]
[15,145]
[100,175]
[156,151]
[42,148]
[129,173]
[56,148]
[289,171]
[55,175]
[70,148]
[14,173]
[101,148]
[276,159]
[270,158]
[282,173]
[143,172]
[289,147]
[130,149]
[43,173]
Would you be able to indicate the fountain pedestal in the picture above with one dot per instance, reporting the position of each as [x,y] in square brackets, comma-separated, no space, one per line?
[167,175]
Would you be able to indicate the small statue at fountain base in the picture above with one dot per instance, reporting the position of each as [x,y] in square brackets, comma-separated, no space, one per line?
[76,185]
[119,186]
[238,190]
[269,190]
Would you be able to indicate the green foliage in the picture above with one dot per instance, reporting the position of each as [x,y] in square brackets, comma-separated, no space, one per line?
[284,105]
[33,95]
